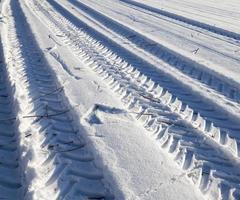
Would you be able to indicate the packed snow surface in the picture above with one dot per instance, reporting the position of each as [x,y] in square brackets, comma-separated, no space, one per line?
[119,99]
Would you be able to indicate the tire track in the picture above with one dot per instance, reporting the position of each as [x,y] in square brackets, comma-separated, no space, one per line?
[167,24]
[180,18]
[200,109]
[210,167]
[186,66]
[65,167]
[174,23]
[11,172]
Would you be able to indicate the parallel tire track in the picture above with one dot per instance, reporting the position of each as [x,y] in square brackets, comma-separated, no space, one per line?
[225,129]
[180,18]
[162,114]
[11,173]
[67,169]
[168,56]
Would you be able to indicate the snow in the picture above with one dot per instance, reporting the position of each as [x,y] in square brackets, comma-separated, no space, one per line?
[134,163]
[119,100]
[218,56]
[222,14]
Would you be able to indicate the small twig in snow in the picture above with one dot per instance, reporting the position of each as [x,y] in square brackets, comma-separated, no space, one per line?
[47,116]
[28,135]
[131,36]
[169,122]
[59,35]
[50,37]
[65,150]
[195,51]
[60,89]
[151,98]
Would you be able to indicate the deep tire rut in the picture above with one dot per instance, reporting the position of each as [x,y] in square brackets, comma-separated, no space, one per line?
[65,168]
[11,172]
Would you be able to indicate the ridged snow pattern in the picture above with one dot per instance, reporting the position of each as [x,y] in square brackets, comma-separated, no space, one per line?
[228,127]
[66,169]
[172,58]
[71,37]
[201,149]
[11,174]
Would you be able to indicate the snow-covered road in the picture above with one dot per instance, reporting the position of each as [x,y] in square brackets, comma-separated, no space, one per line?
[120,99]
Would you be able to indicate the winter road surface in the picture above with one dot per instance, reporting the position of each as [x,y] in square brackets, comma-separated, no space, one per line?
[119,99]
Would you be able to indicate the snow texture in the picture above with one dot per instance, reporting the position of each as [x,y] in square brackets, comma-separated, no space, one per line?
[119,99]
